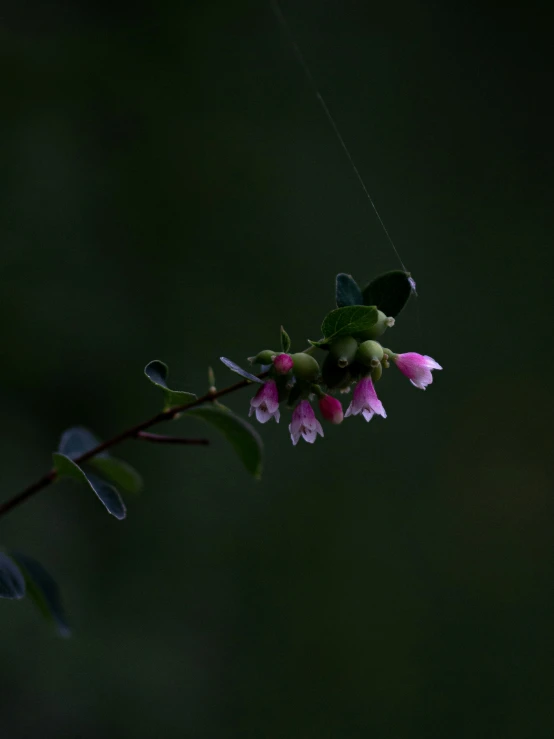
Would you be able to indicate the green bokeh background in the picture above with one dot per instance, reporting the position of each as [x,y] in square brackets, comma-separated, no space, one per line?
[170,189]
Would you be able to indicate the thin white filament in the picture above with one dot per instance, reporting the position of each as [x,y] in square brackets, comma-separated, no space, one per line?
[282,20]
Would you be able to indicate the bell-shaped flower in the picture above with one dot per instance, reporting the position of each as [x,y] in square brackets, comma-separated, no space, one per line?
[304,424]
[331,409]
[266,403]
[417,368]
[365,401]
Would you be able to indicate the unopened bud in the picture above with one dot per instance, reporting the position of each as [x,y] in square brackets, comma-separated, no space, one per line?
[378,329]
[331,409]
[370,353]
[263,357]
[344,350]
[376,372]
[305,367]
[282,363]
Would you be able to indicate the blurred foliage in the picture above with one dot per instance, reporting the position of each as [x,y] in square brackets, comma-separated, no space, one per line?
[171,188]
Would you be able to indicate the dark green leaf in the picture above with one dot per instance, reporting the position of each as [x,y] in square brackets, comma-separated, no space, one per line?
[78,440]
[243,373]
[158,372]
[107,494]
[12,582]
[389,292]
[321,344]
[348,292]
[44,591]
[347,322]
[285,341]
[117,471]
[244,438]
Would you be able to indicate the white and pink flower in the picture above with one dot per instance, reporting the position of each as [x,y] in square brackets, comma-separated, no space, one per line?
[304,424]
[417,368]
[331,409]
[266,403]
[365,401]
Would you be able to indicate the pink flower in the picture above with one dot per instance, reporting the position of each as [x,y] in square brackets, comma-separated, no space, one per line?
[417,368]
[304,423]
[331,409]
[282,363]
[266,403]
[365,401]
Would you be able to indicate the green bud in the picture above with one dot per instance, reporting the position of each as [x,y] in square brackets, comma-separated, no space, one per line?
[263,357]
[305,367]
[376,372]
[335,377]
[370,353]
[378,329]
[344,350]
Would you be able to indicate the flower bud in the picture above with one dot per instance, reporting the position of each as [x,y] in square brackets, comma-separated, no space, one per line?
[331,409]
[305,367]
[376,372]
[263,357]
[282,363]
[370,353]
[344,350]
[378,329]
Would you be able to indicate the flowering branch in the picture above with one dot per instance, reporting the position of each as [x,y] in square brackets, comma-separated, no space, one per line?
[134,432]
[354,358]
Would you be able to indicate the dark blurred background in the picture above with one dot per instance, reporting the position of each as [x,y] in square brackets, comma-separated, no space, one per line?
[170,189]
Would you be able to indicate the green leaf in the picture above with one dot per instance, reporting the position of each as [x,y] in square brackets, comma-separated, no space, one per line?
[107,494]
[12,582]
[78,440]
[389,292]
[44,591]
[243,373]
[347,291]
[347,321]
[158,372]
[117,471]
[285,341]
[244,438]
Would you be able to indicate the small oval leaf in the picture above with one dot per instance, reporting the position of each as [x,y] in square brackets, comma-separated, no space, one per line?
[244,438]
[12,582]
[285,341]
[158,372]
[347,291]
[389,292]
[243,373]
[77,440]
[347,321]
[119,472]
[107,494]
[44,591]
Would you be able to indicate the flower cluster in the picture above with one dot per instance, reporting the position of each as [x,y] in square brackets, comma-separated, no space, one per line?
[356,360]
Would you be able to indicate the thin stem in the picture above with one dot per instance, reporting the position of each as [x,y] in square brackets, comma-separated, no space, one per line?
[133,432]
[161,439]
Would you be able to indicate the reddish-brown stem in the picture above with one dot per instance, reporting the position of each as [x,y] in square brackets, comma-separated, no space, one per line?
[133,432]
